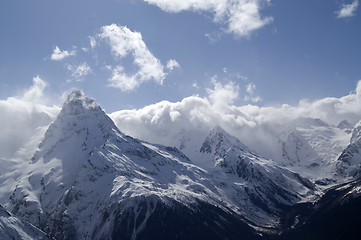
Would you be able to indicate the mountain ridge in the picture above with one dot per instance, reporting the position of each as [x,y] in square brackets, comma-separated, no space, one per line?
[88,180]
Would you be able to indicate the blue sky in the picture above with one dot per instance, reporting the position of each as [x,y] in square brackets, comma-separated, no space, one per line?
[285,52]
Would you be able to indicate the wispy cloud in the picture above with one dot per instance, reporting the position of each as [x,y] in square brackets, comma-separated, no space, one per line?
[347,10]
[79,72]
[92,42]
[250,88]
[124,42]
[59,55]
[241,17]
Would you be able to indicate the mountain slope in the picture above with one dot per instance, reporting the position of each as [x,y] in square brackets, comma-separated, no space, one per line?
[12,228]
[334,217]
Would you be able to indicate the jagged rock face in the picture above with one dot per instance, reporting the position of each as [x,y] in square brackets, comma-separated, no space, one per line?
[349,162]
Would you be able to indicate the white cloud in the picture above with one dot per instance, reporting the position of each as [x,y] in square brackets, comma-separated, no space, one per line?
[124,42]
[241,17]
[245,18]
[59,55]
[22,117]
[121,80]
[347,10]
[79,72]
[171,64]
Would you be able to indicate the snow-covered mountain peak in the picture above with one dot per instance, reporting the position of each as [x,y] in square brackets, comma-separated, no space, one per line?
[82,120]
[255,177]
[219,141]
[80,129]
[77,104]
[79,112]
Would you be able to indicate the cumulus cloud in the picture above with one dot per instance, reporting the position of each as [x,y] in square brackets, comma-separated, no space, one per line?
[79,72]
[223,96]
[240,17]
[347,10]
[22,117]
[124,42]
[185,124]
[59,55]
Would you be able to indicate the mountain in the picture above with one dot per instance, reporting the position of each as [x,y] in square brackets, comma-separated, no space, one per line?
[258,186]
[11,228]
[89,180]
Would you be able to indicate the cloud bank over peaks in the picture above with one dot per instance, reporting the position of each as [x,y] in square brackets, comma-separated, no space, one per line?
[258,127]
[59,55]
[348,10]
[240,17]
[123,42]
